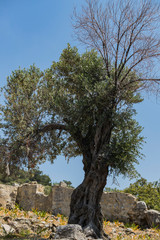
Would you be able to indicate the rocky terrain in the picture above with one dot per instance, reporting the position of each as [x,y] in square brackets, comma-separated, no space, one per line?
[116,205]
[34,221]
[34,224]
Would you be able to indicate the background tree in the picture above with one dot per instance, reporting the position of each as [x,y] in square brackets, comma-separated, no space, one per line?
[69,184]
[22,115]
[149,192]
[18,175]
[85,102]
[39,177]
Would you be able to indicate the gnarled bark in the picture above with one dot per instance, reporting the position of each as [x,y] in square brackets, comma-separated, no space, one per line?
[85,208]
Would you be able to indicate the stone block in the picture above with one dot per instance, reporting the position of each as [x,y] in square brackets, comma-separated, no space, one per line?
[153,218]
[8,196]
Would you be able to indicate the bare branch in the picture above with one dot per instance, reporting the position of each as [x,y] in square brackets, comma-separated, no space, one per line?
[124,33]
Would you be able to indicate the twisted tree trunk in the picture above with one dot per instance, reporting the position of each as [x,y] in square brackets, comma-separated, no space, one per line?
[85,208]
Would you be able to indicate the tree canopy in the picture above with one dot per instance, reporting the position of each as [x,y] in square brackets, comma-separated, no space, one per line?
[58,111]
[72,109]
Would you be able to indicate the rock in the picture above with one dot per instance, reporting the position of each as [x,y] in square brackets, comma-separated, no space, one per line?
[141,206]
[34,182]
[117,206]
[138,214]
[15,184]
[89,233]
[60,200]
[70,231]
[19,227]
[121,225]
[153,218]
[8,229]
[75,232]
[7,218]
[62,184]
[8,196]
[113,230]
[129,231]
[30,196]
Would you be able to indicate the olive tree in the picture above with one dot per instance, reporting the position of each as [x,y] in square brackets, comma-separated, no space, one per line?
[83,104]
[126,36]
[68,110]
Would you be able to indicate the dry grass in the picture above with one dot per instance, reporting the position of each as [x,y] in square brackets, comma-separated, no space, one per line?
[116,230]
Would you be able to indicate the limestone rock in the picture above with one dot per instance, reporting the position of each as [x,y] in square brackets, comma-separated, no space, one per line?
[31,196]
[61,198]
[153,218]
[89,233]
[70,231]
[8,196]
[138,214]
[8,229]
[141,206]
[15,184]
[117,206]
[62,184]
[129,231]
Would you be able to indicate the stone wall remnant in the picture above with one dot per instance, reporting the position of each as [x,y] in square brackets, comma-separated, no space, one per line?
[8,196]
[61,197]
[31,196]
[115,206]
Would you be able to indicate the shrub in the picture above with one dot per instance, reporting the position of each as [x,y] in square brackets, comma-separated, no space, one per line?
[149,192]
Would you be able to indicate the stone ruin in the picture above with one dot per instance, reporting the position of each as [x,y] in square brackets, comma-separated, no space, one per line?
[115,206]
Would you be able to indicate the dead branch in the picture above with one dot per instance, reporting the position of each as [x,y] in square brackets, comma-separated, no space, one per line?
[125,33]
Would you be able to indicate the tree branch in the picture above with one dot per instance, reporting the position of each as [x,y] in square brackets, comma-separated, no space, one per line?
[52,126]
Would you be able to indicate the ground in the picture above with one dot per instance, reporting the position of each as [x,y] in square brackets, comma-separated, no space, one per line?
[17,223]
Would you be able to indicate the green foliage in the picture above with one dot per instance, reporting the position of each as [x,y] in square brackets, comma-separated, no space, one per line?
[131,225]
[37,175]
[67,110]
[39,213]
[47,190]
[69,184]
[23,114]
[21,176]
[149,192]
[108,189]
[126,144]
[82,95]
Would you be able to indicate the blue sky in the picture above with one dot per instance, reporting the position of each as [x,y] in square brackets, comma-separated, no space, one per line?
[36,31]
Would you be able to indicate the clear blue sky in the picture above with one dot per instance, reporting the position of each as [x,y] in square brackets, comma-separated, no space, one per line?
[36,31]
